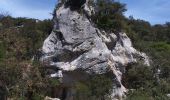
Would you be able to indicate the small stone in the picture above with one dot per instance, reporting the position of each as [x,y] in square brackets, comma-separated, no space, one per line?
[168,95]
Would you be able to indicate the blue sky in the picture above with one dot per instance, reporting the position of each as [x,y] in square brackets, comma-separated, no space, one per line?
[39,9]
[154,11]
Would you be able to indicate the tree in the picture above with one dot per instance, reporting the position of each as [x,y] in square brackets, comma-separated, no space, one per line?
[4,14]
[109,15]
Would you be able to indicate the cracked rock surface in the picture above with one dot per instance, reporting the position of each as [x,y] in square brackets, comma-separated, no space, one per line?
[75,44]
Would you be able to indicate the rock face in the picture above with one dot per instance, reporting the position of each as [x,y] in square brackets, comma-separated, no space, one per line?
[75,44]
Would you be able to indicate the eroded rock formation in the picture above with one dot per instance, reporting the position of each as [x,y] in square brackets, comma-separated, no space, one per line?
[75,44]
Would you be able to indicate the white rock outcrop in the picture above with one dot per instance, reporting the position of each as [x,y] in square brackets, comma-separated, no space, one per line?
[76,44]
[48,98]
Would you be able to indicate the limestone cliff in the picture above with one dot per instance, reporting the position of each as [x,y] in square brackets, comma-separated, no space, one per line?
[75,44]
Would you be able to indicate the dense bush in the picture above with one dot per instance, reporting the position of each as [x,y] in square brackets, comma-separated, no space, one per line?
[20,38]
[2,51]
[94,88]
[109,15]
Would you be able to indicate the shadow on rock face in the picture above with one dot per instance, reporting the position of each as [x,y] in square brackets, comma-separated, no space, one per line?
[75,4]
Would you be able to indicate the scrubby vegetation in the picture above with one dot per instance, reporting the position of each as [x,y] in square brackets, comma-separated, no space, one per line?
[22,79]
[20,39]
[147,83]
[90,91]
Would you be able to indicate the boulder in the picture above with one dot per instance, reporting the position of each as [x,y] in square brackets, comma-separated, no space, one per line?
[75,44]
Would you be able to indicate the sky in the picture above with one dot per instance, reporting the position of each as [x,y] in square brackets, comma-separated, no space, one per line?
[39,9]
[154,11]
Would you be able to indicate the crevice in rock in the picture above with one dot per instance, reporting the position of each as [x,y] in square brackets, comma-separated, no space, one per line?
[111,45]
[67,56]
[75,4]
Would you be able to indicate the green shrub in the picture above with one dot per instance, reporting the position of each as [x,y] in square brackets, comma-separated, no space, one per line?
[139,95]
[2,51]
[161,47]
[138,76]
[96,88]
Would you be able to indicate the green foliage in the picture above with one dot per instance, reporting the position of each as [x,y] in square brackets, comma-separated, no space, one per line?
[161,47]
[20,38]
[37,97]
[1,25]
[7,21]
[98,87]
[138,76]
[144,85]
[153,93]
[94,88]
[139,30]
[83,92]
[2,51]
[154,40]
[109,15]
[139,95]
[54,82]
